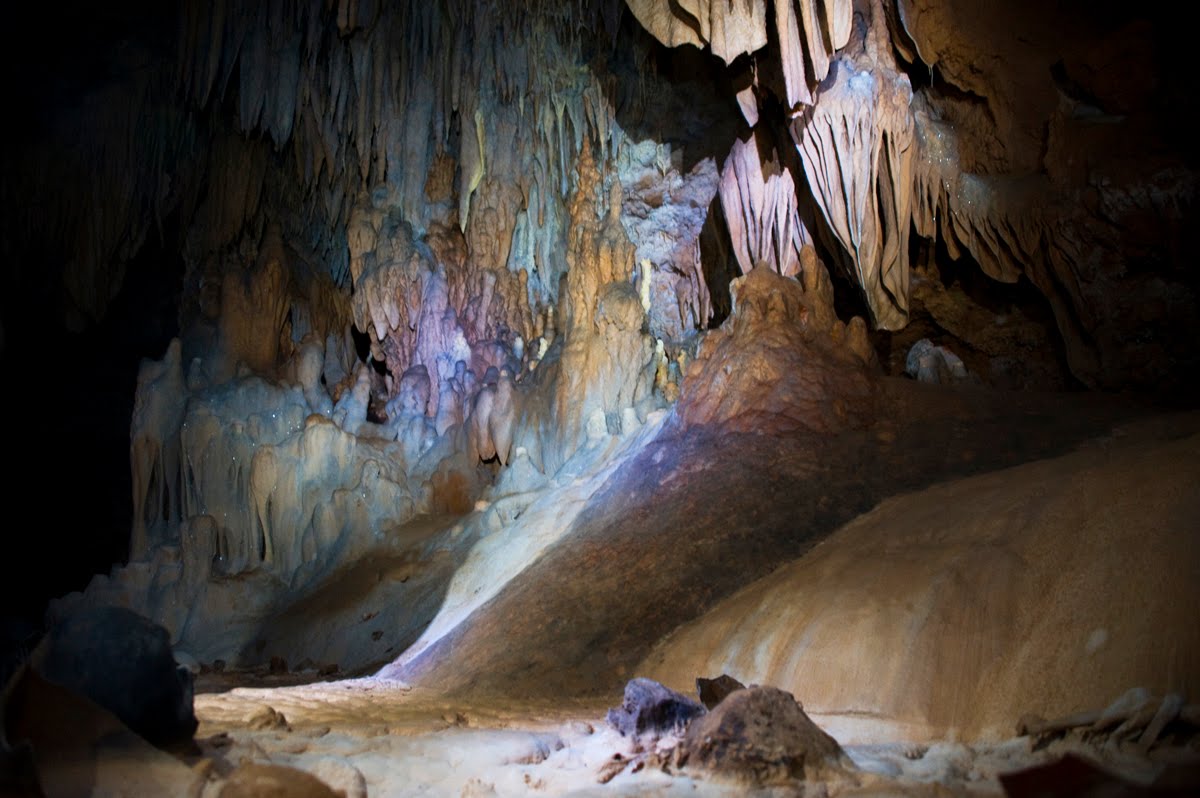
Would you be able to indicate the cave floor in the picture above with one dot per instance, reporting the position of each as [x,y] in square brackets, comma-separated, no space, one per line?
[493,728]
[478,720]
[383,738]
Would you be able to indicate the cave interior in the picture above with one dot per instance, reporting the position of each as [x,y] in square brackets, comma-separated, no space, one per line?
[481,356]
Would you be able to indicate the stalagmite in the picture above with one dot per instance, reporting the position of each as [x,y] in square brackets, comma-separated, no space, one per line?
[350,412]
[309,366]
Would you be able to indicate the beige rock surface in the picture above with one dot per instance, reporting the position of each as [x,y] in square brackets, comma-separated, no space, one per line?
[1049,587]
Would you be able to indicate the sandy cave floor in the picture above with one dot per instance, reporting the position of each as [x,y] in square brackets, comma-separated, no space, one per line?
[497,705]
[381,738]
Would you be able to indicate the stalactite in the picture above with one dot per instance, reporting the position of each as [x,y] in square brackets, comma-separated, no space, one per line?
[856,144]
[729,29]
[331,126]
[806,38]
[791,53]
[759,202]
[1008,225]
[352,97]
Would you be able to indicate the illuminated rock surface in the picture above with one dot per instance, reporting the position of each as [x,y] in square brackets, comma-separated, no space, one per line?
[938,612]
[496,354]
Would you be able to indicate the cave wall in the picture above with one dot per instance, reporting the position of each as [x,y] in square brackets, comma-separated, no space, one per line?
[1036,142]
[420,242]
[1006,134]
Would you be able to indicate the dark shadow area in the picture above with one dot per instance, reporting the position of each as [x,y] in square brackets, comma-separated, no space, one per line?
[848,299]
[69,391]
[362,344]
[70,445]
[718,261]
[92,43]
[955,305]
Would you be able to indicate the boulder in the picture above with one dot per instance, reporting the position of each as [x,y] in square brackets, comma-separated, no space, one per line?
[651,709]
[123,662]
[761,736]
[255,780]
[714,691]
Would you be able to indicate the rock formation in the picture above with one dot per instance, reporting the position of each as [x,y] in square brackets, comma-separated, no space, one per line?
[500,340]
[760,736]
[124,663]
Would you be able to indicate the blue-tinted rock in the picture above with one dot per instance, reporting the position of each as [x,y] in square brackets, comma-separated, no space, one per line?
[650,708]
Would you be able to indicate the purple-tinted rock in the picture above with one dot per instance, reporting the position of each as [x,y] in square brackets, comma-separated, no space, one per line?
[650,708]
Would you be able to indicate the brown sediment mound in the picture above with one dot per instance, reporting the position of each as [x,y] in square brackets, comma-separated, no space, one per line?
[1048,587]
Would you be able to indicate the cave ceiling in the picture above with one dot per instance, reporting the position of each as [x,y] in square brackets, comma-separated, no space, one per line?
[1031,142]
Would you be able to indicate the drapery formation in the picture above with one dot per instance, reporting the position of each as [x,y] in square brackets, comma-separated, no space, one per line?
[1018,162]
[856,143]
[849,118]
[759,201]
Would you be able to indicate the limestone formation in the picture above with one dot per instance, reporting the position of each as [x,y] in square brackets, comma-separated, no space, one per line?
[940,568]
[154,454]
[601,367]
[350,412]
[759,201]
[503,416]
[664,207]
[761,736]
[482,446]
[506,342]
[253,307]
[774,314]
[310,363]
[412,397]
[856,143]
[729,31]
[461,137]
[805,32]
[651,710]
